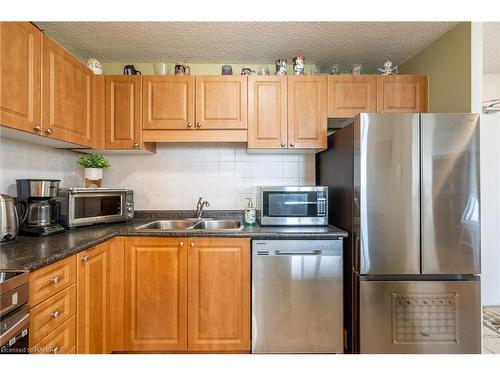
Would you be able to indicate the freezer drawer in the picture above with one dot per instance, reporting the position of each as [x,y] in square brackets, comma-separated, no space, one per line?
[420,317]
[297,297]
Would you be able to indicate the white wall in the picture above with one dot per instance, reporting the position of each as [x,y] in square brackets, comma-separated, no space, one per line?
[173,178]
[24,160]
[490,195]
[224,174]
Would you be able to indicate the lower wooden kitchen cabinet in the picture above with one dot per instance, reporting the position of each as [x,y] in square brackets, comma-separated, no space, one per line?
[187,294]
[219,294]
[155,294]
[92,291]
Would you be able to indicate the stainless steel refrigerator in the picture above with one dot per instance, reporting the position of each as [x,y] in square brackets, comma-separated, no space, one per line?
[406,188]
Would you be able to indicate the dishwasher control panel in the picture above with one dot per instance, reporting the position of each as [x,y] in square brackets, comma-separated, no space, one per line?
[299,247]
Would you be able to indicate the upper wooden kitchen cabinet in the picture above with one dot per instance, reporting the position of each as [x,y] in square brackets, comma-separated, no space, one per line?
[66,96]
[307,112]
[267,112]
[123,112]
[349,95]
[168,102]
[155,294]
[92,295]
[221,102]
[219,294]
[20,46]
[402,93]
[195,109]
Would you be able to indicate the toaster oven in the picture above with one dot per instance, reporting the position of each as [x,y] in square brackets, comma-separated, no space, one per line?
[87,206]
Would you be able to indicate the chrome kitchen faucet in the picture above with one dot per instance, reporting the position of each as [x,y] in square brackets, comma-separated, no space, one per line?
[200,206]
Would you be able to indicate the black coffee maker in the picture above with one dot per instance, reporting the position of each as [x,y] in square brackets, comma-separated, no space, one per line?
[43,210]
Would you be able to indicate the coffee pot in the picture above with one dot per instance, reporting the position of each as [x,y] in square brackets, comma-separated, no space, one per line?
[9,218]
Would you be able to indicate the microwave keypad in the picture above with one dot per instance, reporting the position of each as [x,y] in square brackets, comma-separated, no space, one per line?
[321,207]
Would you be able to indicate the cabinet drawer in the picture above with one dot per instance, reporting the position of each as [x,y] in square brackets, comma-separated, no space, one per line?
[51,313]
[61,341]
[50,280]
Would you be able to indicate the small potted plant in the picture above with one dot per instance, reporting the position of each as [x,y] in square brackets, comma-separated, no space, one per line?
[93,164]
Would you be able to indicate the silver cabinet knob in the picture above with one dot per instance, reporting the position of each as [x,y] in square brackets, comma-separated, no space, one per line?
[37,128]
[49,131]
[198,124]
[85,258]
[292,144]
[191,244]
[56,314]
[283,144]
[55,350]
[136,145]
[56,279]
[189,124]
[181,244]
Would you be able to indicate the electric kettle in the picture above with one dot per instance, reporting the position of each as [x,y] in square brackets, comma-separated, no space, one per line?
[9,220]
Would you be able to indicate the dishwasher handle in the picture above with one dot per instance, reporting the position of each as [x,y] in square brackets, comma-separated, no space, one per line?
[313,252]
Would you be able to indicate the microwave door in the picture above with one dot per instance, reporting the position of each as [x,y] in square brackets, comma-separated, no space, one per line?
[290,204]
[92,207]
[450,194]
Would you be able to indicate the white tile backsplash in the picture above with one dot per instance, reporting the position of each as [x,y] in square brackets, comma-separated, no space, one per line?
[24,160]
[173,178]
[224,174]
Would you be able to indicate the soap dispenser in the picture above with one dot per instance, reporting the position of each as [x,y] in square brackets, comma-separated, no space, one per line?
[250,213]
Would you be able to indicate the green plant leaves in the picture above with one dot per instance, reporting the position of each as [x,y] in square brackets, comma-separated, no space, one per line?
[93,161]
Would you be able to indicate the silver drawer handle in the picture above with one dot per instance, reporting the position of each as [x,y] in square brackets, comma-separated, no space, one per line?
[56,314]
[56,279]
[55,350]
[181,244]
[85,258]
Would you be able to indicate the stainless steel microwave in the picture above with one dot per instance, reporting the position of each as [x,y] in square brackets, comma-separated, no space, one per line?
[292,205]
[87,206]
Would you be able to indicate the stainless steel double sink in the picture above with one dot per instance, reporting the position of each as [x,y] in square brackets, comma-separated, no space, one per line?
[192,224]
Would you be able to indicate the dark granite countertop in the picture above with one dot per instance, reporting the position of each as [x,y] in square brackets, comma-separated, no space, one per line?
[32,253]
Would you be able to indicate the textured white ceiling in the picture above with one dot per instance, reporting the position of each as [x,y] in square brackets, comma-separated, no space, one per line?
[491,48]
[369,43]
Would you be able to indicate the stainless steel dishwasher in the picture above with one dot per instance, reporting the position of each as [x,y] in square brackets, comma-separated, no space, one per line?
[297,304]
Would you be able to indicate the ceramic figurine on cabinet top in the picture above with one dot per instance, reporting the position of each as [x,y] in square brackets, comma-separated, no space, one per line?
[334,69]
[280,67]
[388,69]
[227,70]
[246,71]
[298,65]
[95,66]
[356,69]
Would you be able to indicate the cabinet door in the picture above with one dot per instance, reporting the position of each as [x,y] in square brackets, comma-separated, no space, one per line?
[168,102]
[92,294]
[66,95]
[155,294]
[219,294]
[98,112]
[267,112]
[349,95]
[307,104]
[20,44]
[123,112]
[116,294]
[221,102]
[402,94]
